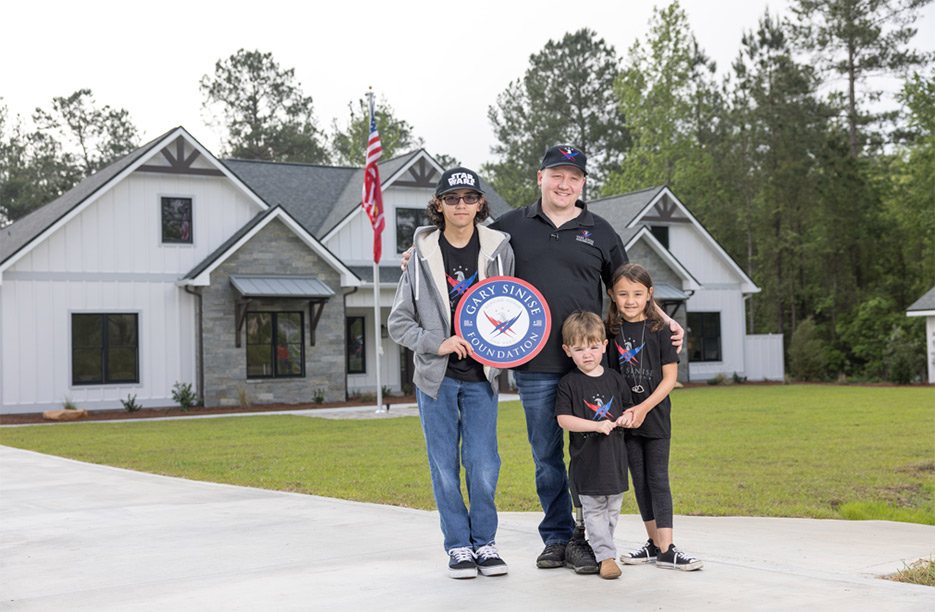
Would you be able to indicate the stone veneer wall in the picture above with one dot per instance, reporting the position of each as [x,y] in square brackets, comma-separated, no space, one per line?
[274,250]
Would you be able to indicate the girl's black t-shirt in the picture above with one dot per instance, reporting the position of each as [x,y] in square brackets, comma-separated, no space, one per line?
[461,274]
[639,354]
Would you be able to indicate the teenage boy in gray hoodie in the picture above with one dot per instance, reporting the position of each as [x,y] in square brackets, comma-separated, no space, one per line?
[457,396]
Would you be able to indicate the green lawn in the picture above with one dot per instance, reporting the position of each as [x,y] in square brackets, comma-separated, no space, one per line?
[798,451]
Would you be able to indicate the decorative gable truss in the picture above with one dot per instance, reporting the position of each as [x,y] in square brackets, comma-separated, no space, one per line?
[180,157]
[668,209]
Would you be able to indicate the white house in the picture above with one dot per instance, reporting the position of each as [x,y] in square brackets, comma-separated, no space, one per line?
[253,280]
[925,307]
[692,270]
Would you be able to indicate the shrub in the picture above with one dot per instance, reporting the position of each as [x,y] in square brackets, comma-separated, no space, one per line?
[904,356]
[130,404]
[808,359]
[67,404]
[318,396]
[183,395]
[717,380]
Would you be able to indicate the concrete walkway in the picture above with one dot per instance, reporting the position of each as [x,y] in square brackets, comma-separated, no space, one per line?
[76,536]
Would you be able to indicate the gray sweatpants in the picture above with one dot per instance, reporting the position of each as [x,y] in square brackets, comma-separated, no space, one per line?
[600,519]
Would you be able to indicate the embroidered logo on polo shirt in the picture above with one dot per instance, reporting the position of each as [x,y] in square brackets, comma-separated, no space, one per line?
[585,237]
[461,178]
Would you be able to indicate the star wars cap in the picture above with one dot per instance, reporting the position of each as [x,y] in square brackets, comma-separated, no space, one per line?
[565,155]
[458,178]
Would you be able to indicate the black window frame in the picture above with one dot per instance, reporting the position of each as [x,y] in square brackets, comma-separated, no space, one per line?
[400,239]
[274,345]
[701,328]
[105,348]
[162,220]
[363,344]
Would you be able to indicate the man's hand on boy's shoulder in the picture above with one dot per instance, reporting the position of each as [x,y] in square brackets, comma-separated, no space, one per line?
[407,254]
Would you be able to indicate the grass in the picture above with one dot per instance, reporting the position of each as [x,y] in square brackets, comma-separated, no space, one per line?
[794,451]
[921,572]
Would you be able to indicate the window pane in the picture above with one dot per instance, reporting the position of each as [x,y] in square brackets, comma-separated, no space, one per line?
[288,327]
[259,328]
[121,330]
[259,360]
[407,220]
[86,366]
[289,360]
[177,220]
[86,330]
[121,365]
[355,345]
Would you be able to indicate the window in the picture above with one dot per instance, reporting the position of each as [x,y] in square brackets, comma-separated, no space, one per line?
[177,220]
[105,349]
[704,336]
[661,232]
[274,345]
[356,357]
[407,220]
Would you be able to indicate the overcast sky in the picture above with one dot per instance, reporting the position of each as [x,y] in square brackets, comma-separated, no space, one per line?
[440,68]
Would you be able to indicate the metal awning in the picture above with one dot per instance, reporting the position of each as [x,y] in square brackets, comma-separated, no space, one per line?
[664,292]
[280,286]
[252,286]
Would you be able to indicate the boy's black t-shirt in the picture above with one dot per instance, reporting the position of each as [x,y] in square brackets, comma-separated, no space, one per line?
[461,274]
[639,355]
[598,462]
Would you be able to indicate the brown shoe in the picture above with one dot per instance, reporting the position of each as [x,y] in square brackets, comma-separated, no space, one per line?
[609,569]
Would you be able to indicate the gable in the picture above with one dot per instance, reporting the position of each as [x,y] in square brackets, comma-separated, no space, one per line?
[174,153]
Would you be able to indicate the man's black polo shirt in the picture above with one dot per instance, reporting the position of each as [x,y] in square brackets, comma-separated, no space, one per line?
[566,264]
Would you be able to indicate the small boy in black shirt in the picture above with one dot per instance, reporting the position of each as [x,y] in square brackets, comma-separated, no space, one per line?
[590,400]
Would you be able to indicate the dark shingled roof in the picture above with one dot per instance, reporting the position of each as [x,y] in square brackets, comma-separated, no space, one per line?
[926,302]
[619,210]
[16,236]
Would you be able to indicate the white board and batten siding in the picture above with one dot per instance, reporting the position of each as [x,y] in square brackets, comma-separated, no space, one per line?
[109,259]
[764,358]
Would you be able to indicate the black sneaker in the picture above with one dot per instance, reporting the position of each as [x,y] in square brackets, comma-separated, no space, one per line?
[461,563]
[578,555]
[489,562]
[676,559]
[552,556]
[644,554]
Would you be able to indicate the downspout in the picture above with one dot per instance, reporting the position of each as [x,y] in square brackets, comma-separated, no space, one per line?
[199,339]
[354,290]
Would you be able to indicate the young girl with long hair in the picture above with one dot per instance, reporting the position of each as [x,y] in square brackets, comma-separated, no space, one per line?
[642,350]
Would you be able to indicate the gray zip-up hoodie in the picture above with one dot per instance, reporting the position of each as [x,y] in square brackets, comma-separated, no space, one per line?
[421,315]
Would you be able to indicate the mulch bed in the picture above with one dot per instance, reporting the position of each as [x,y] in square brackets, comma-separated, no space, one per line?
[33,418]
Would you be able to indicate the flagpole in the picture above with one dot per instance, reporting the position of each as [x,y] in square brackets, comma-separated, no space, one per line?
[377,335]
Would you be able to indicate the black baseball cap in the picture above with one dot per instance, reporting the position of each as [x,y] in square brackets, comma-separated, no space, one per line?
[565,155]
[458,178]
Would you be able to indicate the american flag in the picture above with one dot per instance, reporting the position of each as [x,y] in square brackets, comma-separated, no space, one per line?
[372,200]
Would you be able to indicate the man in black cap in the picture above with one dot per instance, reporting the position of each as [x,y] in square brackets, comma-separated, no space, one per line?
[567,253]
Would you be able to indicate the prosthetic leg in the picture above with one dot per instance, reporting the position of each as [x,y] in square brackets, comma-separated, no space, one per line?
[578,553]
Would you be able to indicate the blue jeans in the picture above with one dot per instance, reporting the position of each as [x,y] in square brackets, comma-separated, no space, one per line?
[465,413]
[537,392]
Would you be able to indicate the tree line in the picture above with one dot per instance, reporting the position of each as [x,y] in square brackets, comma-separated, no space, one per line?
[826,202]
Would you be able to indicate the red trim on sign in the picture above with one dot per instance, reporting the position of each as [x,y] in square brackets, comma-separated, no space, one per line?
[525,285]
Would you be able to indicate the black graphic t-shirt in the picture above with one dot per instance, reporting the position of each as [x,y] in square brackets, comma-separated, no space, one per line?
[461,274]
[639,355]
[598,462]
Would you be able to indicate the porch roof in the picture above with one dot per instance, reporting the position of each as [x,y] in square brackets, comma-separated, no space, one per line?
[664,292]
[281,286]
